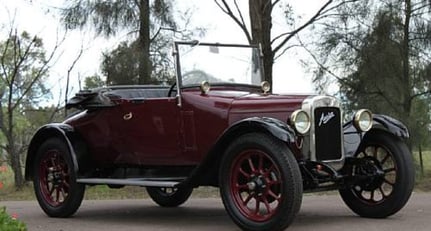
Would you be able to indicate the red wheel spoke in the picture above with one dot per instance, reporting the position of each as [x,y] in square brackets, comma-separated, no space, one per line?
[51,191]
[63,193]
[251,164]
[260,165]
[66,184]
[273,195]
[57,195]
[242,186]
[256,211]
[372,196]
[249,197]
[244,173]
[273,182]
[268,171]
[268,207]
[53,164]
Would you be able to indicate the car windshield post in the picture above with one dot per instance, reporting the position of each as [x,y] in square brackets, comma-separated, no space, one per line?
[177,72]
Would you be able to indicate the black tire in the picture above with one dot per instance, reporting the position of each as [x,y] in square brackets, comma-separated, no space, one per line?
[259,173]
[54,180]
[169,197]
[382,196]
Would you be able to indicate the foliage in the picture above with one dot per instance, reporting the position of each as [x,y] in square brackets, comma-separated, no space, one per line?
[121,65]
[143,56]
[24,66]
[10,223]
[94,81]
[379,55]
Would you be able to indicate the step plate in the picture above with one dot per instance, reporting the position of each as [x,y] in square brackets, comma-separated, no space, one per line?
[133,182]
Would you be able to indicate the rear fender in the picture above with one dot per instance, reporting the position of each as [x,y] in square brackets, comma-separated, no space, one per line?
[207,171]
[59,130]
[353,138]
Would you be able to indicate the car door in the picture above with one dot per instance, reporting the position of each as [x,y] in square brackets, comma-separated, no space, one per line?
[147,132]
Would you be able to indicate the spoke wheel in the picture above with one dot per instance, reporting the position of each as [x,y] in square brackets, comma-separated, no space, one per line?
[54,180]
[379,163]
[256,185]
[386,166]
[260,183]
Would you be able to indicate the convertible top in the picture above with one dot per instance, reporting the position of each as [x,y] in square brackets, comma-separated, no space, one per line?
[105,96]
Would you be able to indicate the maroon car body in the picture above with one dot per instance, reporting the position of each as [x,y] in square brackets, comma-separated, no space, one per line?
[262,150]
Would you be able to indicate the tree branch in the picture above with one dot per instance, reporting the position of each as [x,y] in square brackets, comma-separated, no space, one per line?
[239,21]
[66,93]
[289,35]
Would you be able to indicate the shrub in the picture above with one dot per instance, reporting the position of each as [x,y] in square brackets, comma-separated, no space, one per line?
[10,223]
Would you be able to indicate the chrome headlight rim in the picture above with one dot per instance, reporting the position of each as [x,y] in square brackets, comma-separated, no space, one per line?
[266,87]
[205,87]
[361,116]
[294,118]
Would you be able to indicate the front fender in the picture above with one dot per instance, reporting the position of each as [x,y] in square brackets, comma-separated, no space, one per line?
[272,126]
[47,131]
[391,125]
[207,171]
[353,138]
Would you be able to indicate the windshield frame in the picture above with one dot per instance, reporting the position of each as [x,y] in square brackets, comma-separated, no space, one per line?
[177,59]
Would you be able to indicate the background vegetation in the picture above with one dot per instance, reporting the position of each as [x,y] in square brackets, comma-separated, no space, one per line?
[375,54]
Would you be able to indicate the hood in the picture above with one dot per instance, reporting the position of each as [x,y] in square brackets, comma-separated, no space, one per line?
[265,105]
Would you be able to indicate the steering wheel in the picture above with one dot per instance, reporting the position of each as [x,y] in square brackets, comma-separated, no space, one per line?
[171,89]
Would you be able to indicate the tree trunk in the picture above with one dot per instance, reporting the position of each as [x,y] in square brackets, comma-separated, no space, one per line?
[406,94]
[16,168]
[261,23]
[144,42]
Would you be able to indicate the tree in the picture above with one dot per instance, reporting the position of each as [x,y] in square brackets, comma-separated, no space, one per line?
[383,63]
[24,65]
[259,28]
[121,65]
[93,81]
[149,19]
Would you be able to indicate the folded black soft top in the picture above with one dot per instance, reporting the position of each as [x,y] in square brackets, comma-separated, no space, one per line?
[103,97]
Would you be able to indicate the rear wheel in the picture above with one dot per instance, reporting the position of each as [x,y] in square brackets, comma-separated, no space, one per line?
[388,165]
[169,197]
[260,183]
[56,189]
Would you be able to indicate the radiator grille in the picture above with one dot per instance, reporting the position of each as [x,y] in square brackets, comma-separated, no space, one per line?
[327,124]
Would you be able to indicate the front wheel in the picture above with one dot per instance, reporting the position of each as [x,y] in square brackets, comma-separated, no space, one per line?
[169,197]
[260,183]
[387,165]
[54,180]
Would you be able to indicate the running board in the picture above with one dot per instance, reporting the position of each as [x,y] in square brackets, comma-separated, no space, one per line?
[130,181]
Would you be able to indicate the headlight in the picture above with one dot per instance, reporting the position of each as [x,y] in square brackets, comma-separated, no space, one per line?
[205,87]
[363,120]
[266,87]
[301,121]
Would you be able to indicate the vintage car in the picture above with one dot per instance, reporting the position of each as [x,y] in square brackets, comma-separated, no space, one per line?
[220,125]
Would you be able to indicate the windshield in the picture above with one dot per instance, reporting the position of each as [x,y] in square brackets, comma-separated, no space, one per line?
[218,63]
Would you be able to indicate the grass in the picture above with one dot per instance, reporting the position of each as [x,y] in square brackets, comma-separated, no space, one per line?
[8,192]
[423,181]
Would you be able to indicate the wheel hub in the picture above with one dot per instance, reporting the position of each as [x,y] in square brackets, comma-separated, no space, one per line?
[372,170]
[55,176]
[258,185]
